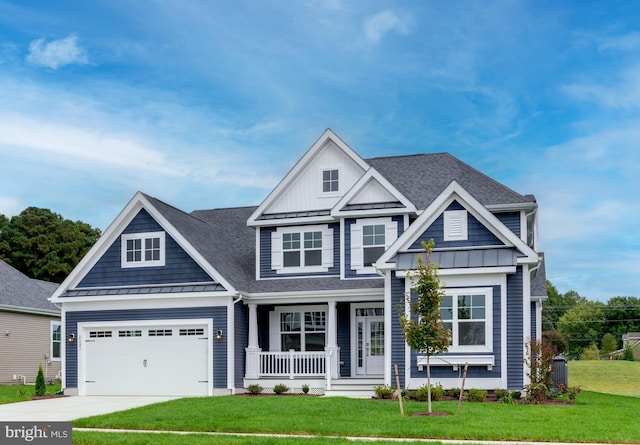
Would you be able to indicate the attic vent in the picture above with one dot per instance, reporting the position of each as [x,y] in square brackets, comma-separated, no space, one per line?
[192,331]
[455,225]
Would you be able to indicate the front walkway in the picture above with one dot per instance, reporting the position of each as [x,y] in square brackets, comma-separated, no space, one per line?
[73,407]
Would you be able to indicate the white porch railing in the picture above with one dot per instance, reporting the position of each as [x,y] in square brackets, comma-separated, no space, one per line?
[293,364]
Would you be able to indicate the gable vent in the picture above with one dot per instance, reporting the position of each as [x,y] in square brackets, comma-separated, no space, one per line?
[455,225]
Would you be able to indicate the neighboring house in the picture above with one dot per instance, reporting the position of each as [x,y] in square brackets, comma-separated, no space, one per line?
[30,328]
[305,288]
[632,340]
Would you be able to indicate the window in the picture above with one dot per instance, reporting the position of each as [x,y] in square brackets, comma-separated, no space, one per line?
[100,334]
[130,333]
[455,225]
[302,249]
[330,181]
[160,332]
[372,243]
[192,331]
[302,331]
[466,312]
[56,340]
[143,249]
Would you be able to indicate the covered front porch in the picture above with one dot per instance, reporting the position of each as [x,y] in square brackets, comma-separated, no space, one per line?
[335,348]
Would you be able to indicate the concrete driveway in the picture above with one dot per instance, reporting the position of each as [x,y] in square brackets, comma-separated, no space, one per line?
[74,407]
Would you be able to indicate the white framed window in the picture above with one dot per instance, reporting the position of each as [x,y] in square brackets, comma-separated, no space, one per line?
[298,328]
[330,181]
[455,225]
[143,249]
[56,341]
[369,239]
[467,313]
[302,249]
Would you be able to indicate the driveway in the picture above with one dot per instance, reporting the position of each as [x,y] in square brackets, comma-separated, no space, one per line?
[74,407]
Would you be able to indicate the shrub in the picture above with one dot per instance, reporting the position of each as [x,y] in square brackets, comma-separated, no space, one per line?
[280,388]
[454,392]
[476,395]
[255,389]
[536,392]
[384,391]
[516,395]
[41,388]
[501,393]
[305,388]
[422,394]
[590,353]
[572,392]
[627,354]
[437,392]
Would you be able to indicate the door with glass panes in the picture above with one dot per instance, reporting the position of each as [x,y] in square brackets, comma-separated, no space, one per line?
[369,326]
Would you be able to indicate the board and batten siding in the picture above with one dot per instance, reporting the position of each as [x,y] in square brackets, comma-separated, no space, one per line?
[24,349]
[515,326]
[217,314]
[179,266]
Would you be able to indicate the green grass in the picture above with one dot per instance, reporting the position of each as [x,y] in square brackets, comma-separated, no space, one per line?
[594,418]
[607,376]
[20,393]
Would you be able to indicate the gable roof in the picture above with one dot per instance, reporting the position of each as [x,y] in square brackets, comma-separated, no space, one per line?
[421,178]
[20,293]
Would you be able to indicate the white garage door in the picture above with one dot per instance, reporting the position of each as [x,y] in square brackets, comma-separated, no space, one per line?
[169,360]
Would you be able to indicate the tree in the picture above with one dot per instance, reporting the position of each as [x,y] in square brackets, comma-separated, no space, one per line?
[556,305]
[41,388]
[623,316]
[42,244]
[609,344]
[582,325]
[422,327]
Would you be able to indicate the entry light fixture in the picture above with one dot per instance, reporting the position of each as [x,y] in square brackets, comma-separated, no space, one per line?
[7,333]
[71,337]
[219,334]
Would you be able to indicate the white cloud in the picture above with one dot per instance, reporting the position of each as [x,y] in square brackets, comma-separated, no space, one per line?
[57,53]
[627,42]
[10,206]
[377,25]
[623,92]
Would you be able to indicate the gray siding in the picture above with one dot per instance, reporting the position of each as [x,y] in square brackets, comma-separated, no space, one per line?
[265,255]
[397,337]
[241,337]
[511,220]
[515,325]
[179,266]
[217,314]
[351,273]
[344,337]
[478,234]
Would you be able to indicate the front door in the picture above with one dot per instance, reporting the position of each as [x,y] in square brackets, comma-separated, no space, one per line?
[369,341]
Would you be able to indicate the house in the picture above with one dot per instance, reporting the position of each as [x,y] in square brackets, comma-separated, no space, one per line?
[631,340]
[306,287]
[30,328]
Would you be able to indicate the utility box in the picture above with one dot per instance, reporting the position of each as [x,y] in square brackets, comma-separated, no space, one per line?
[560,370]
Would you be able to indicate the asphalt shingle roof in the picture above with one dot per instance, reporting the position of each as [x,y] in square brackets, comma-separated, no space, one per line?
[18,291]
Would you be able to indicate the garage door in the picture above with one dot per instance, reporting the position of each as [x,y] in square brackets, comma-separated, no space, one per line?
[163,359]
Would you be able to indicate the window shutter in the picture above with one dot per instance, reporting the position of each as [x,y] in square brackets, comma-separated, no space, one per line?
[274,331]
[357,262]
[276,250]
[327,248]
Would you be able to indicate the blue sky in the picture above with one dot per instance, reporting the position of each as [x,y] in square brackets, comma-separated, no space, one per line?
[208,104]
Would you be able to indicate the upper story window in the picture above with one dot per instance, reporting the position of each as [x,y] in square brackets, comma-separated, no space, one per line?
[330,182]
[467,313]
[370,237]
[302,249]
[56,340]
[143,249]
[455,225]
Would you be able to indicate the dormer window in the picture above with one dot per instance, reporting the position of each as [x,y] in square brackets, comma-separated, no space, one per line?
[330,182]
[143,249]
[455,225]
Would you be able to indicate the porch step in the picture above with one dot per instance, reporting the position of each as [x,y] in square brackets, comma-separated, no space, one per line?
[354,388]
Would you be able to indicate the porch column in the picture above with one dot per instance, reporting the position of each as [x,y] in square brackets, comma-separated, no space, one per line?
[253,350]
[332,349]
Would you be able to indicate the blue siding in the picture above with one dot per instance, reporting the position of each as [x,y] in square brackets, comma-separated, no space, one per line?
[217,314]
[515,323]
[533,320]
[349,272]
[265,255]
[344,337]
[263,326]
[398,343]
[511,220]
[478,234]
[473,371]
[179,266]
[241,337]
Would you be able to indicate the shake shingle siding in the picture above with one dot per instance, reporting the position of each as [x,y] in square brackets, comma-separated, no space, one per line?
[179,267]
[515,326]
[217,314]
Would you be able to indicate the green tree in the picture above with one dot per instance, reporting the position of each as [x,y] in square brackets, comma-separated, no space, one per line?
[556,305]
[623,316]
[41,388]
[422,327]
[590,353]
[609,344]
[42,244]
[581,326]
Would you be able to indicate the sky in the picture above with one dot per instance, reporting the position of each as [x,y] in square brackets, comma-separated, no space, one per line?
[208,104]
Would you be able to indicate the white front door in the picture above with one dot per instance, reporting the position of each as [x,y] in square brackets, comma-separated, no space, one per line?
[369,341]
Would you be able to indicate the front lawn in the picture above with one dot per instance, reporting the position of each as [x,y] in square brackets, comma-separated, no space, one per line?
[21,393]
[594,418]
[609,376]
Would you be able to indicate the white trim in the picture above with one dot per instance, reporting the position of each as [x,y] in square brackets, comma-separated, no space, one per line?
[321,192]
[456,360]
[146,297]
[456,382]
[526,317]
[83,327]
[174,301]
[388,330]
[354,332]
[488,319]
[258,252]
[62,340]
[143,237]
[464,271]
[326,252]
[229,338]
[275,333]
